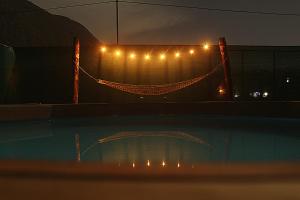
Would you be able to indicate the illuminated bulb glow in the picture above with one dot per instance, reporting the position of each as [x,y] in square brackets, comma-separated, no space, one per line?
[221,91]
[206,46]
[178,165]
[177,55]
[103,49]
[162,56]
[132,56]
[118,53]
[147,57]
[192,51]
[133,165]
[148,163]
[163,163]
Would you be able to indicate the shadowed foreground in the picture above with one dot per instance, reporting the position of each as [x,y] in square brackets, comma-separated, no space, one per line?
[44,180]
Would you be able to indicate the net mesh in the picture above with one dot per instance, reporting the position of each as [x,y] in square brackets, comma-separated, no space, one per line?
[152,90]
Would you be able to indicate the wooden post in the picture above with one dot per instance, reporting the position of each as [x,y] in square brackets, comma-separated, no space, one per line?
[77,142]
[99,66]
[117,20]
[226,66]
[76,56]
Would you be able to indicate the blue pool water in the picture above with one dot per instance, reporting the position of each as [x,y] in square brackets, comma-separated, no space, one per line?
[137,139]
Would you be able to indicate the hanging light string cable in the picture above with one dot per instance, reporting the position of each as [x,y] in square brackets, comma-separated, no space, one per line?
[171,5]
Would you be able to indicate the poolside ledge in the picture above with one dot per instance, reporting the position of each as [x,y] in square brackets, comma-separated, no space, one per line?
[284,109]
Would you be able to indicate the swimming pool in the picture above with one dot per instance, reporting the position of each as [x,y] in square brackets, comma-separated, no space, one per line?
[153,139]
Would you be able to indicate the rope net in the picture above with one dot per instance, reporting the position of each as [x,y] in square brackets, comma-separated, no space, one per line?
[152,90]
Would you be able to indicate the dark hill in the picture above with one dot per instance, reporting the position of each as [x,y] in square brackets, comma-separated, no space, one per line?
[24,24]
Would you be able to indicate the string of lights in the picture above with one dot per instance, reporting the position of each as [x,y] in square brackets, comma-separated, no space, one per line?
[171,5]
[162,55]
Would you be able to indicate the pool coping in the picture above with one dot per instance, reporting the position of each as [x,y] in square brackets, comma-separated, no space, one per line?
[258,172]
[282,109]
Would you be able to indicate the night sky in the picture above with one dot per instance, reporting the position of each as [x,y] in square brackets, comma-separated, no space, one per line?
[142,24]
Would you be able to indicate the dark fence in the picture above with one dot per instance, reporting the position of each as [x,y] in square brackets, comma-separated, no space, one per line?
[271,70]
[44,74]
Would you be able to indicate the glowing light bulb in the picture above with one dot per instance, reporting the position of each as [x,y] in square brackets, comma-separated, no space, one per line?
[162,56]
[133,165]
[132,55]
[148,163]
[178,165]
[206,46]
[177,55]
[265,94]
[221,91]
[103,49]
[192,51]
[118,53]
[163,163]
[147,57]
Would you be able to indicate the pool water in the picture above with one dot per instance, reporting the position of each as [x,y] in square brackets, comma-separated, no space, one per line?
[169,139]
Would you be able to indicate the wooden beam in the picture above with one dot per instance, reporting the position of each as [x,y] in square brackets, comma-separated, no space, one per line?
[226,67]
[76,56]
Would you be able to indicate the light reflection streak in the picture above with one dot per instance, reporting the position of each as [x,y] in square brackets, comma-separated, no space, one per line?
[170,134]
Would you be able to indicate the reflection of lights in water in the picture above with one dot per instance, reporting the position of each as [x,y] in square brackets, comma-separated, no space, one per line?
[148,163]
[168,134]
[149,147]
